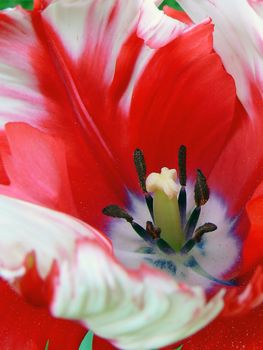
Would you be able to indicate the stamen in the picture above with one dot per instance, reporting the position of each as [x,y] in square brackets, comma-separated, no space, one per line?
[201,189]
[168,232]
[141,232]
[153,231]
[115,211]
[192,222]
[207,227]
[140,166]
[201,197]
[182,180]
[199,232]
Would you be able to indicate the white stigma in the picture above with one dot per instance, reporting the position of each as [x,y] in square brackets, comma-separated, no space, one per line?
[164,181]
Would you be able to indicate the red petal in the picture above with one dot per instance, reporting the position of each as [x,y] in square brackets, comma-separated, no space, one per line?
[239,169]
[240,300]
[252,248]
[180,99]
[23,326]
[35,164]
[100,343]
[66,94]
[184,84]
[35,289]
[226,333]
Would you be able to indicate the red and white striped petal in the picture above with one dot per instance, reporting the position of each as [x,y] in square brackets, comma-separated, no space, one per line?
[20,96]
[156,28]
[28,228]
[66,68]
[135,310]
[238,40]
[71,32]
[141,310]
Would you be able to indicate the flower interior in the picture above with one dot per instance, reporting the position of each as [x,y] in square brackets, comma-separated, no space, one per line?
[173,237]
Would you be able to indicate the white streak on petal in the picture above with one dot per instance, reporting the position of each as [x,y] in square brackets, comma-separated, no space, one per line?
[143,59]
[86,25]
[20,98]
[156,28]
[69,18]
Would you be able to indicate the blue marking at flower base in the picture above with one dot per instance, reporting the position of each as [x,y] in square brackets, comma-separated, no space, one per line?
[145,250]
[194,265]
[201,246]
[163,264]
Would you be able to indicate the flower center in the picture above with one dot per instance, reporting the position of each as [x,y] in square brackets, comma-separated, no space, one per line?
[172,233]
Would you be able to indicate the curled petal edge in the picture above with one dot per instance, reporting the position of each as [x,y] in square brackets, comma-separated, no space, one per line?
[131,308]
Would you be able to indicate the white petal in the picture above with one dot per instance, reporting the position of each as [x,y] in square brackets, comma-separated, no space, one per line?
[238,39]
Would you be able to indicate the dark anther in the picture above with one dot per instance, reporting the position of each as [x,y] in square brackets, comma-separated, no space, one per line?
[201,189]
[201,197]
[140,165]
[153,231]
[200,231]
[115,211]
[192,222]
[182,165]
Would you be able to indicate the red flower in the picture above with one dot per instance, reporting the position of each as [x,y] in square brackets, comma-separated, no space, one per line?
[83,84]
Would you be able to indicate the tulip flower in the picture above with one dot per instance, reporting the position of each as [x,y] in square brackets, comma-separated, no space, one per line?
[131,175]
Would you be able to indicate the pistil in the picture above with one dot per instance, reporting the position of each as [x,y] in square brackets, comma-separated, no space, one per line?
[165,206]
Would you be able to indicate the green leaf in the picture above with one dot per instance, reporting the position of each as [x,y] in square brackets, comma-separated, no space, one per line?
[180,347]
[47,344]
[171,3]
[86,343]
[27,4]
